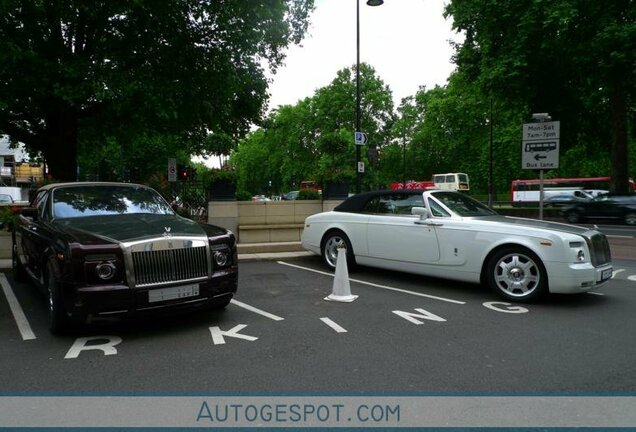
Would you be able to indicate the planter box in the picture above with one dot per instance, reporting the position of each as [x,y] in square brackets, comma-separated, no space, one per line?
[222,191]
[336,190]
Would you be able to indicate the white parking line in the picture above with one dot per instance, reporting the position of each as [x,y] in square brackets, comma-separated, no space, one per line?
[617,272]
[18,314]
[256,310]
[333,325]
[376,285]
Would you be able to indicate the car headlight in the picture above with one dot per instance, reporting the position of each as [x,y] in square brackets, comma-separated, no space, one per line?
[579,251]
[221,256]
[106,271]
[101,268]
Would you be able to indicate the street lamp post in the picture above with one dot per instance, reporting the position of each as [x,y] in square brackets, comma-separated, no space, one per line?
[369,3]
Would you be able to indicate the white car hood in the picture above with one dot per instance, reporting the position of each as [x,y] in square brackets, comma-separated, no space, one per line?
[534,223]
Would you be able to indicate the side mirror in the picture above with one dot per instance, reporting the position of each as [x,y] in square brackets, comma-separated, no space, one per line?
[29,212]
[421,211]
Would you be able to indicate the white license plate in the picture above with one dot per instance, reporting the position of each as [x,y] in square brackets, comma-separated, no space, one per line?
[172,293]
[606,274]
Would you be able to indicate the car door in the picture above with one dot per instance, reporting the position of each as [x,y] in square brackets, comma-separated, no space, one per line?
[605,207]
[35,236]
[394,234]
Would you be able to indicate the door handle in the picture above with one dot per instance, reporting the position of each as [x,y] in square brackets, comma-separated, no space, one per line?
[428,223]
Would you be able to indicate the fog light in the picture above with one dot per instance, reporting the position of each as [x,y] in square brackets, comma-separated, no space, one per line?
[221,258]
[105,271]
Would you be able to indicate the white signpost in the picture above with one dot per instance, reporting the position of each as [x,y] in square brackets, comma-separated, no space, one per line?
[540,145]
[540,149]
[172,170]
[360,138]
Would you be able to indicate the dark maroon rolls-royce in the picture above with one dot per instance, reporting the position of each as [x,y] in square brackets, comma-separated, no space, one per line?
[103,250]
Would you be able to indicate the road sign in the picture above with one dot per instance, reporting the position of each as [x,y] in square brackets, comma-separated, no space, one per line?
[360,138]
[172,170]
[360,167]
[540,145]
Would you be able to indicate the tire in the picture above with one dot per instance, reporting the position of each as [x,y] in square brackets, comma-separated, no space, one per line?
[58,319]
[329,249]
[630,218]
[19,273]
[573,217]
[517,274]
[222,304]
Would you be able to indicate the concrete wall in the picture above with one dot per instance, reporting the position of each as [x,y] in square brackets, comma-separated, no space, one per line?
[266,221]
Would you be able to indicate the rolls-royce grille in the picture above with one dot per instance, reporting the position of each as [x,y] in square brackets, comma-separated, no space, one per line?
[600,250]
[169,265]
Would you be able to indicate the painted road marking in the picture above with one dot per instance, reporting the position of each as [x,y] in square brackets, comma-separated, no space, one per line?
[18,314]
[617,272]
[375,285]
[256,310]
[333,325]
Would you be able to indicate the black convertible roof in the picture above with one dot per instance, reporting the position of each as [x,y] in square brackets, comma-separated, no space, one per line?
[356,203]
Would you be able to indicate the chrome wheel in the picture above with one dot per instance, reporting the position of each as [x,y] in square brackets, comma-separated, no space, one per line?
[630,218]
[330,245]
[517,275]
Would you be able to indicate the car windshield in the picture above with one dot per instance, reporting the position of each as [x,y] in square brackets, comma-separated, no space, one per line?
[463,205]
[91,200]
[5,198]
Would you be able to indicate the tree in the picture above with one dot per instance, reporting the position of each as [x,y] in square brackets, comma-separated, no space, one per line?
[313,140]
[131,71]
[572,58]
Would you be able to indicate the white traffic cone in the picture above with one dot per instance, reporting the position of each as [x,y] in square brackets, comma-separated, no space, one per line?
[341,288]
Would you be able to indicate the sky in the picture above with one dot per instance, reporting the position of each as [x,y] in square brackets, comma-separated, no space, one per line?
[406,41]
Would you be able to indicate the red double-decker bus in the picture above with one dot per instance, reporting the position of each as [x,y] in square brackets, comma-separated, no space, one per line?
[527,190]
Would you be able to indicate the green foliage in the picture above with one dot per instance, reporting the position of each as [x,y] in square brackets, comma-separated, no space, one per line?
[126,74]
[313,140]
[7,218]
[308,194]
[243,196]
[573,59]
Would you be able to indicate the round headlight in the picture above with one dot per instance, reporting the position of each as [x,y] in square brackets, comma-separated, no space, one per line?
[105,271]
[221,258]
[580,255]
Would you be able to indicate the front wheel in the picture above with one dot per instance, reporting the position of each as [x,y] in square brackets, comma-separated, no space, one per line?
[517,274]
[58,318]
[630,218]
[18,269]
[329,249]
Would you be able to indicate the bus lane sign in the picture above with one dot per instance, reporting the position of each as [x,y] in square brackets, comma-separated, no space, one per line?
[540,145]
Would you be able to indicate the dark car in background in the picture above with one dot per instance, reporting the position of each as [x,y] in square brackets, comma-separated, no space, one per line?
[613,207]
[105,250]
[561,200]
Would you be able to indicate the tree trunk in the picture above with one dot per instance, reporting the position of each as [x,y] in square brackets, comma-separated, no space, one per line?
[60,151]
[620,157]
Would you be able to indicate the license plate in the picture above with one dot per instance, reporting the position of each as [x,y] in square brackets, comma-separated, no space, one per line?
[606,274]
[172,293]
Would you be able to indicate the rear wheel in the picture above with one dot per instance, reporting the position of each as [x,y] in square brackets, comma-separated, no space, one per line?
[330,244]
[573,217]
[630,218]
[58,318]
[517,274]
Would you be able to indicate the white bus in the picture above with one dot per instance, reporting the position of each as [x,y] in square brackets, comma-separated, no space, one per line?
[451,181]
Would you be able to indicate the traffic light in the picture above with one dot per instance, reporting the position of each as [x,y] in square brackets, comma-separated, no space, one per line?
[182,172]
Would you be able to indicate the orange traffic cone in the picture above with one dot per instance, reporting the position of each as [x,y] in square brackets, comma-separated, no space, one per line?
[341,288]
